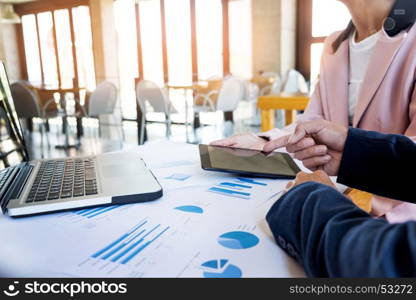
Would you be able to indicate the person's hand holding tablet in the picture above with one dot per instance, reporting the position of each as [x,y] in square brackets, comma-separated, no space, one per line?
[318,144]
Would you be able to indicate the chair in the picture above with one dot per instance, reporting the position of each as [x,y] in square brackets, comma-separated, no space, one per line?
[27,105]
[150,94]
[295,83]
[102,101]
[212,84]
[227,97]
[268,83]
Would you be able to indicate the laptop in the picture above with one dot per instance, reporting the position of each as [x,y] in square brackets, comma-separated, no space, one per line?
[51,185]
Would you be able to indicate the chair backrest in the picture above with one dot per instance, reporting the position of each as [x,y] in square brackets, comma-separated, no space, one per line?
[295,83]
[150,92]
[251,91]
[277,86]
[103,100]
[25,101]
[231,92]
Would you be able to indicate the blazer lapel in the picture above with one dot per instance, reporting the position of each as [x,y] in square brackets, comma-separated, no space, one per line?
[336,85]
[383,55]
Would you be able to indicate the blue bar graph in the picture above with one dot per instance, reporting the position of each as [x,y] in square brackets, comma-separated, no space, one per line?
[121,246]
[130,244]
[235,185]
[79,212]
[126,243]
[119,240]
[93,212]
[230,193]
[252,181]
[107,209]
[138,250]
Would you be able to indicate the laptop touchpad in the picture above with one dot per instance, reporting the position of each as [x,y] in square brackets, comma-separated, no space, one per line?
[120,170]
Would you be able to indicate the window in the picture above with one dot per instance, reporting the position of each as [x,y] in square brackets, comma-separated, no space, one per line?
[32,54]
[63,37]
[178,39]
[58,45]
[178,42]
[151,40]
[316,20]
[124,13]
[209,38]
[240,22]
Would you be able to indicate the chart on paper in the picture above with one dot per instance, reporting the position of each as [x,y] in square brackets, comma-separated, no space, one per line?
[89,217]
[140,251]
[242,188]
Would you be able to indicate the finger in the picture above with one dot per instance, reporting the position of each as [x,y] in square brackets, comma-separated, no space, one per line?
[301,175]
[276,144]
[306,128]
[314,151]
[289,185]
[321,173]
[223,143]
[317,161]
[301,145]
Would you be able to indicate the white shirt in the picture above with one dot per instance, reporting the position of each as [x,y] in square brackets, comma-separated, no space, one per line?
[360,54]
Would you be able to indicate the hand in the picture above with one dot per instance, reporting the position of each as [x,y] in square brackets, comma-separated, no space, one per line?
[318,176]
[319,144]
[244,141]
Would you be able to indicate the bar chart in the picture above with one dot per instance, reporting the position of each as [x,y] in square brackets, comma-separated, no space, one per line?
[130,244]
[91,213]
[241,188]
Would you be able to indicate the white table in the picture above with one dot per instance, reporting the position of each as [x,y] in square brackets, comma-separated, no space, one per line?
[63,244]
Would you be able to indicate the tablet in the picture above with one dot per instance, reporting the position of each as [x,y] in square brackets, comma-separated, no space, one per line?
[248,162]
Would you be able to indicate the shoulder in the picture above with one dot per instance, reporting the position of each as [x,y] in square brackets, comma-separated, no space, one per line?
[330,40]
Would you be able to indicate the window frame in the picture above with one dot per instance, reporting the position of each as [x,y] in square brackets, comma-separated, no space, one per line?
[305,39]
[194,49]
[37,7]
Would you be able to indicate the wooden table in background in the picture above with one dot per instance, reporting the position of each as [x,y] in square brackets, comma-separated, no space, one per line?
[47,93]
[288,102]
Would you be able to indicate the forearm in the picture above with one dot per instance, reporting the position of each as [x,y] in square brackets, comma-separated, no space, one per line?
[334,238]
[379,163]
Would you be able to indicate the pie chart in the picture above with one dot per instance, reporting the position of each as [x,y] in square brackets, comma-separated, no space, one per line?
[220,268]
[238,240]
[190,209]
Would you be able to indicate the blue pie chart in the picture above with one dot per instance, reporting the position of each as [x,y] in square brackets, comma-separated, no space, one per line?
[220,269]
[190,209]
[238,240]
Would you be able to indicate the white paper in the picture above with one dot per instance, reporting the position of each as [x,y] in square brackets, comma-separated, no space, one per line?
[176,236]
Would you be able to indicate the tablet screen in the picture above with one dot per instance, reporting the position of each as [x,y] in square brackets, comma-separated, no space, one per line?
[249,162]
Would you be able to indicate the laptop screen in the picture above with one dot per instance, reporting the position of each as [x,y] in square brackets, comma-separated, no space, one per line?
[10,115]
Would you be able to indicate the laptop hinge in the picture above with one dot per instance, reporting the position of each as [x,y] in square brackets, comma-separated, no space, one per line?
[17,183]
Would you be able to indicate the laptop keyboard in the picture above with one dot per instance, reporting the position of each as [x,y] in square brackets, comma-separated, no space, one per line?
[60,179]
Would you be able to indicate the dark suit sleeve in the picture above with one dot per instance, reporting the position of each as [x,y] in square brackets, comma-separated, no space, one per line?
[331,237]
[380,164]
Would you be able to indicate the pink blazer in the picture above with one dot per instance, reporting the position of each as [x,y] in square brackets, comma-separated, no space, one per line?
[387,99]
[386,103]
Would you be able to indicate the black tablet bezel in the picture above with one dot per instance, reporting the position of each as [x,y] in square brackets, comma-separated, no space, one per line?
[206,164]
